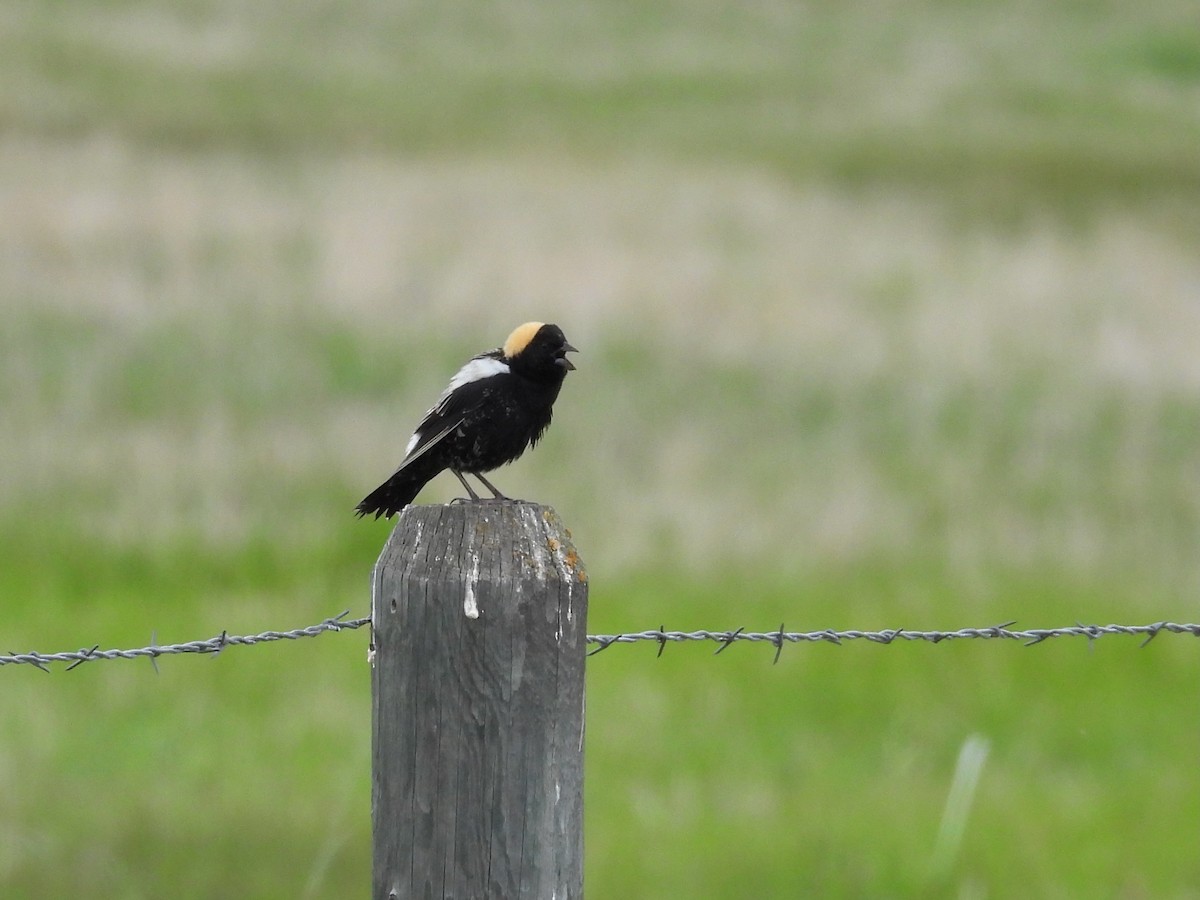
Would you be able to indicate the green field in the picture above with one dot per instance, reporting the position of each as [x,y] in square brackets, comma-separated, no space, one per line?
[888,318]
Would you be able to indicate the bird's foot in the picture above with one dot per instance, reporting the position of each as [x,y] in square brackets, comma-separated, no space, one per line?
[501,501]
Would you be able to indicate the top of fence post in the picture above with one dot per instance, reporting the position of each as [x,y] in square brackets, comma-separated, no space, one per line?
[479,613]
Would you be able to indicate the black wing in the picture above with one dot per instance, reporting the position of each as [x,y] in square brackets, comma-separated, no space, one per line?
[466,393]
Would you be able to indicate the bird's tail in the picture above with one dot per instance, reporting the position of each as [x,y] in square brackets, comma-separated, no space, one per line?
[397,492]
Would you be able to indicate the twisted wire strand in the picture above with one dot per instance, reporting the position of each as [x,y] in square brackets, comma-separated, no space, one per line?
[211,645]
[1029,636]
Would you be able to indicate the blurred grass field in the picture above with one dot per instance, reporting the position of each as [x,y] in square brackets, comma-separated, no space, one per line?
[889,319]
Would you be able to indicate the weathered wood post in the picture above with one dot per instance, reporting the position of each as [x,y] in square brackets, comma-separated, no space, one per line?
[479,614]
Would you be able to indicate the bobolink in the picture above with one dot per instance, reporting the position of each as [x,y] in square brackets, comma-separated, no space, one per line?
[497,406]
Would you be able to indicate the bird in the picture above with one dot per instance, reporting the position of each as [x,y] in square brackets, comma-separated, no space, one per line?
[496,407]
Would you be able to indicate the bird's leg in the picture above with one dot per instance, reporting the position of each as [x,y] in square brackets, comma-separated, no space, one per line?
[491,487]
[470,490]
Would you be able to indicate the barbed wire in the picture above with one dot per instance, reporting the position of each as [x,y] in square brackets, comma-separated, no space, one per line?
[661,636]
[1028,637]
[211,645]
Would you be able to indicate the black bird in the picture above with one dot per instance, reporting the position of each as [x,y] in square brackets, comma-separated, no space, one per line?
[497,406]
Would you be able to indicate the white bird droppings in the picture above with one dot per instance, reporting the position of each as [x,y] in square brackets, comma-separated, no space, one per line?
[470,607]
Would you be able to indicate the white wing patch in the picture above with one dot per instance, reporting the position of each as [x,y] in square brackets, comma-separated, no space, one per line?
[477,369]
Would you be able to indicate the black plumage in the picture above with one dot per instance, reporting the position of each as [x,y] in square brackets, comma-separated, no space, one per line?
[498,405]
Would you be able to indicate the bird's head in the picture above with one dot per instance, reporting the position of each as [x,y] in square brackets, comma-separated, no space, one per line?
[539,350]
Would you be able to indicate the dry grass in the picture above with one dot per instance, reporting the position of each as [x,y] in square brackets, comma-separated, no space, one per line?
[734,265]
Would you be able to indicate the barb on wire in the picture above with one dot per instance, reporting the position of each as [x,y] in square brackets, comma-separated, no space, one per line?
[660,636]
[728,639]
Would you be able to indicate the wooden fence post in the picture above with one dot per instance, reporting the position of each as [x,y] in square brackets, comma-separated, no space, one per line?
[479,615]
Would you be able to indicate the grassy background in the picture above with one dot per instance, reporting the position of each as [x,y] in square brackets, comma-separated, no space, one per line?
[889,319]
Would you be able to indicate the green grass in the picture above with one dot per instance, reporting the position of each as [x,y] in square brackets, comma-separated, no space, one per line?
[713,776]
[888,320]
[827,774]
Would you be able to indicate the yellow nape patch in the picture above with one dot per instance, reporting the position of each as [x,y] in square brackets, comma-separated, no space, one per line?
[520,338]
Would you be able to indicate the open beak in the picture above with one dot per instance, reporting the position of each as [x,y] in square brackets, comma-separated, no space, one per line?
[564,362]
